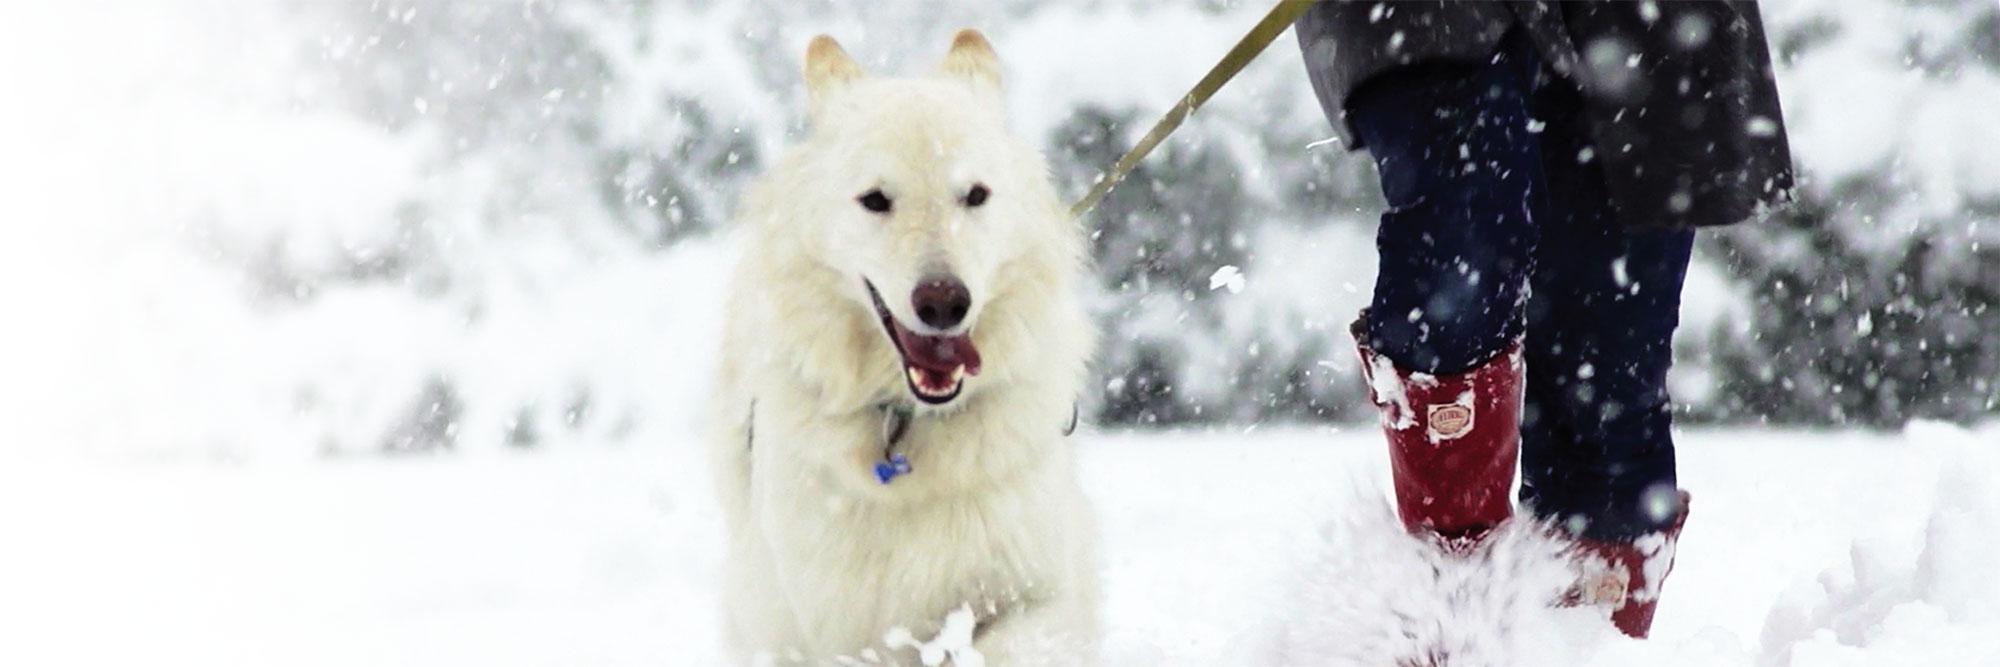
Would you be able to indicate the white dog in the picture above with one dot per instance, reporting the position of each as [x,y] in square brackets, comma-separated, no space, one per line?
[903,348]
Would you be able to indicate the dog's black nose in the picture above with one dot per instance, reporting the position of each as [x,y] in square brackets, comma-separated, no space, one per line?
[941,301]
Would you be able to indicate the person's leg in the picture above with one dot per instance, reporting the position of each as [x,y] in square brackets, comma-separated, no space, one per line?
[1597,448]
[1455,246]
[1597,454]
[1458,162]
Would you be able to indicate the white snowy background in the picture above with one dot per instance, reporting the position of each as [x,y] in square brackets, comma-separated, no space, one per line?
[375,333]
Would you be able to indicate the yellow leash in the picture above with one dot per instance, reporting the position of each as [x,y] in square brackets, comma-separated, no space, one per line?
[1246,50]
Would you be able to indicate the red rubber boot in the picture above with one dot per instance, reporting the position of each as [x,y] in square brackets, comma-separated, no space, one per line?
[1627,576]
[1453,443]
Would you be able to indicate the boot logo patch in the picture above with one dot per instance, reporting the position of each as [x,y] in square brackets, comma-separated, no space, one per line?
[1610,589]
[1449,420]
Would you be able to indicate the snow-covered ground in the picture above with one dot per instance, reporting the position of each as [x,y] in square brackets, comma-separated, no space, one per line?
[200,384]
[1803,549]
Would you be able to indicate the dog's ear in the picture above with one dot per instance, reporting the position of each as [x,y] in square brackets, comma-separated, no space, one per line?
[972,58]
[828,70]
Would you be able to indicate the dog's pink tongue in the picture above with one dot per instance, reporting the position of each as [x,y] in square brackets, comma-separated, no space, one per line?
[940,353]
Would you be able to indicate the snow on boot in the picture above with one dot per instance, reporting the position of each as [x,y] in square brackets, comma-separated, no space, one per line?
[1626,576]
[1453,442]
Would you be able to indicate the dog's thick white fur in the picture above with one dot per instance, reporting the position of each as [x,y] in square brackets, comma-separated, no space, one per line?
[824,559]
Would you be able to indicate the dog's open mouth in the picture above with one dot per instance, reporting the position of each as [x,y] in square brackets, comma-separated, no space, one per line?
[934,366]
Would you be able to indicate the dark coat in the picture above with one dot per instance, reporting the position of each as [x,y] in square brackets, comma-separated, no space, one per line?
[1680,99]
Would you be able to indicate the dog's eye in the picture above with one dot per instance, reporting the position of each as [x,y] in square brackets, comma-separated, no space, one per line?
[977,195]
[874,200]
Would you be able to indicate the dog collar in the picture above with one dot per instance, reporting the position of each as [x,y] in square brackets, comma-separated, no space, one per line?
[896,418]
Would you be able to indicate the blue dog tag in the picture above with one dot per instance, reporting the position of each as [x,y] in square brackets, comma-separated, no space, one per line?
[888,470]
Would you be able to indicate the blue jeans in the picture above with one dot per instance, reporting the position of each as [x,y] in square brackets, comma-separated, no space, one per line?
[1499,228]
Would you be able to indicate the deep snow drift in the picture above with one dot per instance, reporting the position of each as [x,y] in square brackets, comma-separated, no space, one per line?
[1223,548]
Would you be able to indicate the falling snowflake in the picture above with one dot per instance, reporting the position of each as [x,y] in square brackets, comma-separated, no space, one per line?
[1226,277]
